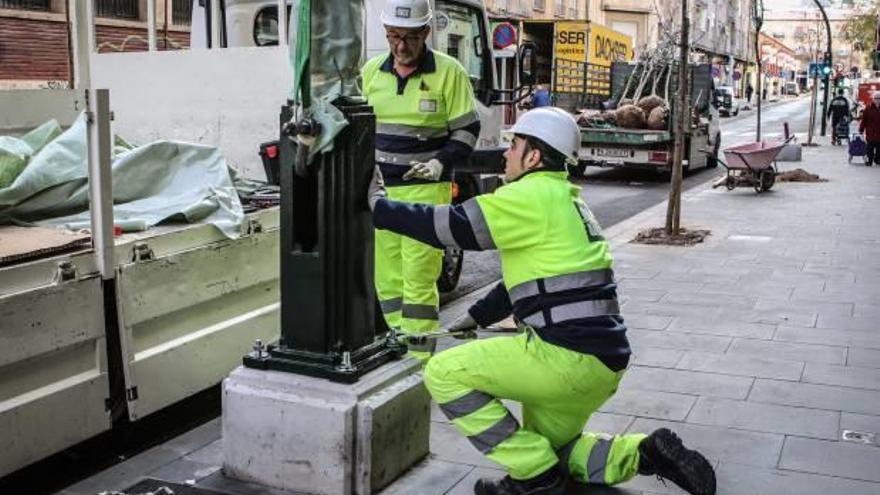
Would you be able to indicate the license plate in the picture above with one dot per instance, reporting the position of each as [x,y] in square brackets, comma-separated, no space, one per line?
[612,152]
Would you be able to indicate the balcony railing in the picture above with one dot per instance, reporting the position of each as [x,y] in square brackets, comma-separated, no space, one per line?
[26,4]
[123,9]
[181,12]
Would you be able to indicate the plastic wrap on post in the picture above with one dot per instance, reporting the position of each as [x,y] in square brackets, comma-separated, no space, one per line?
[326,50]
[337,48]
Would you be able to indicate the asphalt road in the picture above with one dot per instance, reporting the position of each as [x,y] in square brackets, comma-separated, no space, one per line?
[617,194]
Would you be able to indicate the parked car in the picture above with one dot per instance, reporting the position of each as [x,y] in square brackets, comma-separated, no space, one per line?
[725,101]
[790,88]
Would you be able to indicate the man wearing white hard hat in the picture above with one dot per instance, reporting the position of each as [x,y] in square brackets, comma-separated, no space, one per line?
[426,121]
[558,283]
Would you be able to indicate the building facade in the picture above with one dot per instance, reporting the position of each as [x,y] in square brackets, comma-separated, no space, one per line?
[34,50]
[636,18]
[779,65]
[721,35]
[537,9]
[805,32]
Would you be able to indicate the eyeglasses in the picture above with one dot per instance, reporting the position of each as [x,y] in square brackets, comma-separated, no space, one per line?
[410,39]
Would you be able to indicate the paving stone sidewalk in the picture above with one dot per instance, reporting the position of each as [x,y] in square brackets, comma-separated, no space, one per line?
[759,347]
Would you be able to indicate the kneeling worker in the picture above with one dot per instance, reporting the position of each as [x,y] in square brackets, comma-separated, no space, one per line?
[558,283]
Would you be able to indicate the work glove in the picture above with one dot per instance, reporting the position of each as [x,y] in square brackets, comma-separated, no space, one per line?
[429,170]
[466,325]
[377,189]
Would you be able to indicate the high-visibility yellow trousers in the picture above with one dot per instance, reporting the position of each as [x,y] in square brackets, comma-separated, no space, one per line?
[559,389]
[407,271]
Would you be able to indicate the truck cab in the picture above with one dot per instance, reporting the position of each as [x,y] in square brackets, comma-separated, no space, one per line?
[725,100]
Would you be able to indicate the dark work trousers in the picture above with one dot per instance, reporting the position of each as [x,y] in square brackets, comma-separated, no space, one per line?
[873,153]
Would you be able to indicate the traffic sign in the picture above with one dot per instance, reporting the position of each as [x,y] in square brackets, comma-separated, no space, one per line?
[817,69]
[504,35]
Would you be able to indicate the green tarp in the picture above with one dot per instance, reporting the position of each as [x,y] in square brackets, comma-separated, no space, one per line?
[46,182]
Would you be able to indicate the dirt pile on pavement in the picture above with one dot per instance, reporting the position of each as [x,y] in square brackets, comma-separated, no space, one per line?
[658,235]
[798,175]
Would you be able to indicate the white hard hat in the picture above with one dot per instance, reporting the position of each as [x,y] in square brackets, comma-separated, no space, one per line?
[554,126]
[406,13]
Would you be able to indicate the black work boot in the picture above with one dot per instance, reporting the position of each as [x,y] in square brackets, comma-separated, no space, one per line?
[663,454]
[551,482]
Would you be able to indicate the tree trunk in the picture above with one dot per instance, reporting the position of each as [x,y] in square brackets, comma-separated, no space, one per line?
[760,73]
[673,209]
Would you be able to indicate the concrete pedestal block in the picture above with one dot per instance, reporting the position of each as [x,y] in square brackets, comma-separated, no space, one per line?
[311,435]
[790,153]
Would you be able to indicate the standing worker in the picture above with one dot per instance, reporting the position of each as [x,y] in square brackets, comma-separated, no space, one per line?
[559,285]
[426,121]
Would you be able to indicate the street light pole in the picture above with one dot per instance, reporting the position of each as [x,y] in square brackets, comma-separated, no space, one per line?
[827,61]
[758,18]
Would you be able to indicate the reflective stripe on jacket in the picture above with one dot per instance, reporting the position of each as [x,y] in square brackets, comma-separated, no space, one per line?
[555,262]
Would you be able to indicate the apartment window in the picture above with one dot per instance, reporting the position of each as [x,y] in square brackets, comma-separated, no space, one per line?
[538,5]
[26,4]
[454,47]
[181,12]
[560,8]
[122,9]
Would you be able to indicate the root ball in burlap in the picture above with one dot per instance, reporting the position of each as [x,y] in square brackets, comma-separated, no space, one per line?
[609,116]
[630,117]
[658,119]
[585,116]
[649,103]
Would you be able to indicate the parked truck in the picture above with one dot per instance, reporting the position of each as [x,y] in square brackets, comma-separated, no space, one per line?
[615,146]
[89,349]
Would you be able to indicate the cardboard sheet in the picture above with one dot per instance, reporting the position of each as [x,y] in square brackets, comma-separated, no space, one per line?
[25,243]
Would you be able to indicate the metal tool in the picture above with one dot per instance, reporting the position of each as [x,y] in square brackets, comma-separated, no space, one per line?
[424,337]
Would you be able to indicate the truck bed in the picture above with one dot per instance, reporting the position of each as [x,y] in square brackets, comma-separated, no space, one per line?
[622,137]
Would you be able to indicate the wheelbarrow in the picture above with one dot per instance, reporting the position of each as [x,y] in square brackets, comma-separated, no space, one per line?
[751,165]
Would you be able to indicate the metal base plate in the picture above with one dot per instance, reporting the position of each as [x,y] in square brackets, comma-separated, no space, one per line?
[342,367]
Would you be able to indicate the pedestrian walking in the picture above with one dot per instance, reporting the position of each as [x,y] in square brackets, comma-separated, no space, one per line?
[426,121]
[870,127]
[749,91]
[558,282]
[838,110]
